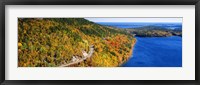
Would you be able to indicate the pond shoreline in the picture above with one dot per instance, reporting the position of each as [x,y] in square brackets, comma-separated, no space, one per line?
[130,53]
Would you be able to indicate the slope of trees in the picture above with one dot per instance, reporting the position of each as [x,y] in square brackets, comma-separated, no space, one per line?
[50,42]
[154,31]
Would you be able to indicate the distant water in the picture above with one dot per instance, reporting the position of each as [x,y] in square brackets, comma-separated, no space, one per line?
[141,24]
[156,52]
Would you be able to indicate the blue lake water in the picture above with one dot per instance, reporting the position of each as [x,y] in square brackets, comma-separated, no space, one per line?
[156,52]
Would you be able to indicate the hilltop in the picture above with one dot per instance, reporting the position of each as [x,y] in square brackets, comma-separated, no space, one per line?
[50,42]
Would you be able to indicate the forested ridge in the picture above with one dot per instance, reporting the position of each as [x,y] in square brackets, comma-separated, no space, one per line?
[154,31]
[51,42]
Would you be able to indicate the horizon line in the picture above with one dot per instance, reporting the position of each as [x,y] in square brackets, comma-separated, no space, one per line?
[137,22]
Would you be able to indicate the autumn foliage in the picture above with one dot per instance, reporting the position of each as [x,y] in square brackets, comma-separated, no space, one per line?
[51,42]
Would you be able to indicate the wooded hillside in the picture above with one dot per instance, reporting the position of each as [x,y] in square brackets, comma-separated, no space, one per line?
[50,42]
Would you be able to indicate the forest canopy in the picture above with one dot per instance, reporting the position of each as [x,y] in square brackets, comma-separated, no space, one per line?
[52,42]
